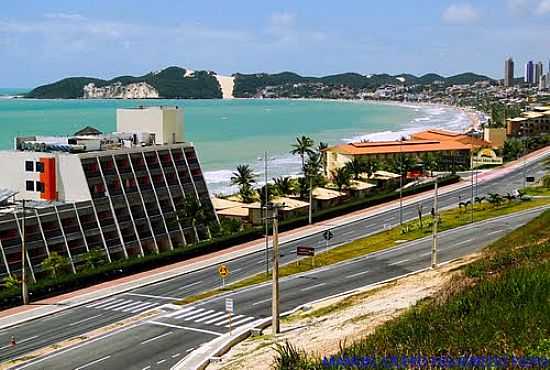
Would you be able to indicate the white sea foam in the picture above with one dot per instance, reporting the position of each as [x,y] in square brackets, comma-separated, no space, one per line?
[289,165]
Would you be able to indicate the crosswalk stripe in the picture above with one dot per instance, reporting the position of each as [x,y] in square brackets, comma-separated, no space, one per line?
[189,313]
[109,303]
[131,305]
[123,303]
[134,307]
[188,318]
[216,319]
[179,312]
[100,302]
[227,320]
[215,314]
[235,323]
[144,307]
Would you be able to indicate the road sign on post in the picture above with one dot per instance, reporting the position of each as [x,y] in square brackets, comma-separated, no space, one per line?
[305,251]
[223,270]
[530,178]
[229,309]
[328,235]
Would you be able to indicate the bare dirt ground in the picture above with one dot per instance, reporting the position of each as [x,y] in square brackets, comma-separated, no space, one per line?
[322,329]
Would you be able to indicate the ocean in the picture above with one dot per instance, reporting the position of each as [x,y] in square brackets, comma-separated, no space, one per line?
[231,132]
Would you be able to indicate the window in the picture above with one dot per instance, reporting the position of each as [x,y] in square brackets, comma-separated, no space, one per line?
[29,185]
[39,186]
[29,166]
[39,167]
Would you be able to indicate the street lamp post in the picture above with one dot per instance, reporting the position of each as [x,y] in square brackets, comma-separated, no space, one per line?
[472,173]
[275,269]
[24,287]
[266,218]
[310,213]
[401,183]
[435,219]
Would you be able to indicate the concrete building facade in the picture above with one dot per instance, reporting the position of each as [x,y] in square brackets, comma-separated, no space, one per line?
[509,72]
[120,194]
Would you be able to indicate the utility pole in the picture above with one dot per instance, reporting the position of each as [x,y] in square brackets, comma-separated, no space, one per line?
[275,268]
[401,183]
[472,173]
[24,287]
[435,219]
[310,200]
[523,167]
[266,219]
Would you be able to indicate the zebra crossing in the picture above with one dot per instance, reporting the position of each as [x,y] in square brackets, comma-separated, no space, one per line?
[211,317]
[123,305]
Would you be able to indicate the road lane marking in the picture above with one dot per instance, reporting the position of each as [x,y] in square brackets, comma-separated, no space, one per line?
[224,318]
[235,323]
[104,303]
[236,270]
[227,320]
[161,361]
[153,296]
[113,305]
[146,367]
[185,328]
[495,232]
[263,301]
[357,274]
[131,306]
[93,362]
[313,287]
[190,349]
[179,312]
[187,313]
[192,317]
[175,355]
[398,262]
[425,254]
[84,320]
[464,242]
[208,317]
[157,337]
[136,310]
[190,285]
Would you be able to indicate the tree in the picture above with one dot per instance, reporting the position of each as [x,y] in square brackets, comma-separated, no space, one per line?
[495,199]
[302,148]
[342,178]
[430,163]
[193,212]
[512,149]
[94,258]
[283,185]
[55,264]
[244,177]
[356,167]
[371,166]
[510,197]
[11,282]
[402,164]
[261,195]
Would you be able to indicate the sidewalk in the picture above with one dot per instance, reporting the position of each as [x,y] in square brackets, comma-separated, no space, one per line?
[20,314]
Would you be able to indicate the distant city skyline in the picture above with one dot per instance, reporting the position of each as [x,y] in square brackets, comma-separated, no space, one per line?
[41,42]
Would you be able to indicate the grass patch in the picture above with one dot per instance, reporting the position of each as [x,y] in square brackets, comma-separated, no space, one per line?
[412,230]
[500,305]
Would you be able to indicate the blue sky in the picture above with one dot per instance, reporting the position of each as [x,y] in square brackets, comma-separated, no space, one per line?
[42,41]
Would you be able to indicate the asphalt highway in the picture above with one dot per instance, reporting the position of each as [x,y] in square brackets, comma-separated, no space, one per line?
[165,340]
[79,320]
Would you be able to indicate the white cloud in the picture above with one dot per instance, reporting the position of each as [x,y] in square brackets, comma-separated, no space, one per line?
[543,7]
[282,19]
[65,16]
[460,14]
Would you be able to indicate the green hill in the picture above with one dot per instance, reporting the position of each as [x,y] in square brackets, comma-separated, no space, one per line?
[170,83]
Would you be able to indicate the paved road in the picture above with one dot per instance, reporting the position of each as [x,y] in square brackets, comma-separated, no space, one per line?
[164,341]
[79,320]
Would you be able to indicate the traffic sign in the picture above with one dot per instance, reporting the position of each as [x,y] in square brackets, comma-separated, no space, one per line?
[530,178]
[305,251]
[328,235]
[229,305]
[223,270]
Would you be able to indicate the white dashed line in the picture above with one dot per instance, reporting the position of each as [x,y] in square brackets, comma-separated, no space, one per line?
[157,337]
[313,287]
[464,242]
[260,302]
[175,355]
[357,274]
[398,262]
[161,361]
[92,363]
[190,285]
[84,320]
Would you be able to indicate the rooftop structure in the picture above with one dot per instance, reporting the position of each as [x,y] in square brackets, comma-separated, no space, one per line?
[120,193]
[531,123]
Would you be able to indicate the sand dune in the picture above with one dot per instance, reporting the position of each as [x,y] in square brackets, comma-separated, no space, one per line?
[226,83]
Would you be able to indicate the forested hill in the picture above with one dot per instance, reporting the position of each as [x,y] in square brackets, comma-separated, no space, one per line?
[248,85]
[170,83]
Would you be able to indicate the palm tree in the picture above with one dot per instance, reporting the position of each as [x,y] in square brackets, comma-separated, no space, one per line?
[193,211]
[283,185]
[430,163]
[403,164]
[479,200]
[371,166]
[342,178]
[495,199]
[313,166]
[302,147]
[261,194]
[510,197]
[356,167]
[55,264]
[246,192]
[244,175]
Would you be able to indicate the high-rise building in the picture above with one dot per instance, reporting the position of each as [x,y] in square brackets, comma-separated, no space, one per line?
[120,194]
[509,72]
[529,72]
[539,72]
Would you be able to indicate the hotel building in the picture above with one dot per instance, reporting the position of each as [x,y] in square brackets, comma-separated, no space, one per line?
[529,124]
[119,193]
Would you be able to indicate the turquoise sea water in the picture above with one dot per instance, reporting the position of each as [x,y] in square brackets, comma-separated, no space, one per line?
[230,132]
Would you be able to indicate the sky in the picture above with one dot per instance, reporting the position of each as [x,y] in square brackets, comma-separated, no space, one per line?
[43,41]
